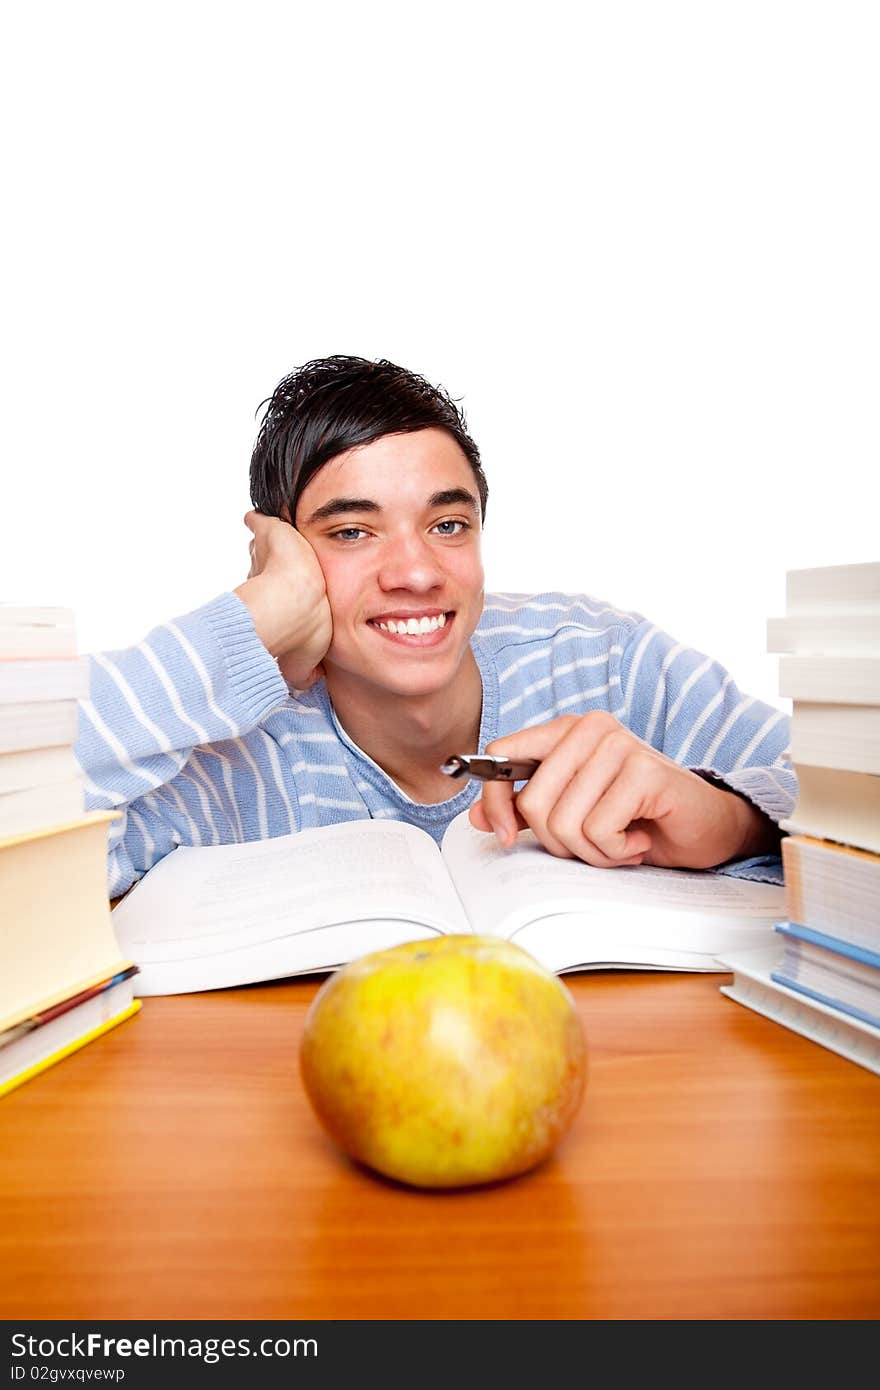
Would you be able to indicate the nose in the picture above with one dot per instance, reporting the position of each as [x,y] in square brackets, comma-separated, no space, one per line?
[409,562]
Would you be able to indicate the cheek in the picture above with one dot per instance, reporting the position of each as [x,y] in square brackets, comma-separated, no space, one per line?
[469,571]
[344,584]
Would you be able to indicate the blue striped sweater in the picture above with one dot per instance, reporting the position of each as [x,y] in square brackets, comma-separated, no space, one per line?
[195,738]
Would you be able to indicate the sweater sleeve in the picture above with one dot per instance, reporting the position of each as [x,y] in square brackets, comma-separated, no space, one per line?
[199,679]
[689,707]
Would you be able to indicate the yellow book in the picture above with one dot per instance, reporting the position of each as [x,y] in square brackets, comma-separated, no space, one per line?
[33,1053]
[56,933]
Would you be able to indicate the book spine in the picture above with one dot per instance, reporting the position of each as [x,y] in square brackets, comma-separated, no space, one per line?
[820,1025]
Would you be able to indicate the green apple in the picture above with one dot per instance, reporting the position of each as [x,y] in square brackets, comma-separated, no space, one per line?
[445,1063]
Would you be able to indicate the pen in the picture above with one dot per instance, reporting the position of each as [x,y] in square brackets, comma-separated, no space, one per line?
[489,768]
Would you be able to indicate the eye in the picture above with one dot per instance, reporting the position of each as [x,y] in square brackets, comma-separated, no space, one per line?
[348,533]
[442,527]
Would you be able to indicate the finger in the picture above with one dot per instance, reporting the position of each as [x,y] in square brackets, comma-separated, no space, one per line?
[506,830]
[497,808]
[507,823]
[535,742]
[258,522]
[478,818]
[614,792]
[498,798]
[297,679]
[562,746]
[567,806]
[621,820]
[590,854]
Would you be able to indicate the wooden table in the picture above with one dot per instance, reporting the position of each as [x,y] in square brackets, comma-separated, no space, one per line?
[720,1167]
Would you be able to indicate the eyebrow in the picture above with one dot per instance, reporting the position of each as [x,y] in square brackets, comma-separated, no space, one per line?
[449,497]
[337,505]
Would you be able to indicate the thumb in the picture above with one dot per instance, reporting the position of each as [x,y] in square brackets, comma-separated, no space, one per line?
[294,674]
[313,677]
[536,742]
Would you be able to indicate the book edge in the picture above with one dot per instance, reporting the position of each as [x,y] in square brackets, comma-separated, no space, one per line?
[834,945]
[69,1048]
[58,996]
[838,1005]
[792,826]
[90,818]
[801,1015]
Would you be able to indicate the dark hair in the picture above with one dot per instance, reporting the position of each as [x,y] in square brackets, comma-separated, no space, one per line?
[334,404]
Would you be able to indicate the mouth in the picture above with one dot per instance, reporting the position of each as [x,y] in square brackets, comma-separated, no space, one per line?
[429,628]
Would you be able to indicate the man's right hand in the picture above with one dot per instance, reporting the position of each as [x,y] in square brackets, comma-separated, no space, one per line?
[287,598]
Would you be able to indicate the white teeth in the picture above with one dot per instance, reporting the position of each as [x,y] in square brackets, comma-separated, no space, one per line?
[412,627]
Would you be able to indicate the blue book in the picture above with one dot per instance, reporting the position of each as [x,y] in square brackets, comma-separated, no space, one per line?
[836,973]
[795,931]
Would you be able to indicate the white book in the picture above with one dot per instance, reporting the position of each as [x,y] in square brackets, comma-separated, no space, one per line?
[825,634]
[836,805]
[839,680]
[34,615]
[33,808]
[24,681]
[833,588]
[43,724]
[36,632]
[209,917]
[842,737]
[752,986]
[37,767]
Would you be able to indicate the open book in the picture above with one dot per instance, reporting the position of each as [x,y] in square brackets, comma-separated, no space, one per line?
[205,918]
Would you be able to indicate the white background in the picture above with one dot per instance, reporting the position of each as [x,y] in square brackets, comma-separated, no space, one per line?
[640,241]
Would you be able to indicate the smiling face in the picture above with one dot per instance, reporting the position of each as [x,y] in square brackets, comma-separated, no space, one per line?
[396,528]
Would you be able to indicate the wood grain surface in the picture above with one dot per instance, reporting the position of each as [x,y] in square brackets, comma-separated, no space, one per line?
[720,1167]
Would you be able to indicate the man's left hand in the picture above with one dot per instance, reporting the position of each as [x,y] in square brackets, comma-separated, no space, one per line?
[604,796]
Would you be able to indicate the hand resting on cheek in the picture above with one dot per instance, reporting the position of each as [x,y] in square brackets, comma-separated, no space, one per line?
[286,594]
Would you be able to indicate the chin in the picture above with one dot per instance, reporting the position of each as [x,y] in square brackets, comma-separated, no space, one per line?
[413,682]
[398,678]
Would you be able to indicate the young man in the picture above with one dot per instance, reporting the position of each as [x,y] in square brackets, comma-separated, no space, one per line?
[361,652]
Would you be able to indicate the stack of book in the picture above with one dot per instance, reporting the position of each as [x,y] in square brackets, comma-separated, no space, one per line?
[823,979]
[63,981]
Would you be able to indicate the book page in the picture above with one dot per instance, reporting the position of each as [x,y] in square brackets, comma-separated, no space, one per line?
[200,902]
[572,916]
